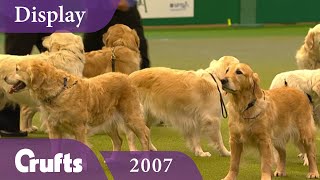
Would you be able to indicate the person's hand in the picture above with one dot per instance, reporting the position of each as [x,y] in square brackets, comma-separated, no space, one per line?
[123,5]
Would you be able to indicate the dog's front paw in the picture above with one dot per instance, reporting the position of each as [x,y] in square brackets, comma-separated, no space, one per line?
[306,162]
[314,175]
[34,128]
[265,176]
[304,158]
[230,176]
[153,148]
[226,154]
[279,173]
[31,129]
[203,154]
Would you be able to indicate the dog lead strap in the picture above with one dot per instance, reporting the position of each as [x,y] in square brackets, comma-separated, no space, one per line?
[224,111]
[113,61]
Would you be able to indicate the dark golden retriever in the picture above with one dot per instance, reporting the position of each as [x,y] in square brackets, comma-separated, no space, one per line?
[121,49]
[75,106]
[267,119]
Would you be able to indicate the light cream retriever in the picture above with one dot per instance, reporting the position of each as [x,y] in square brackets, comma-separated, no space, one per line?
[188,100]
[308,56]
[305,80]
[66,52]
[267,119]
[75,106]
[120,54]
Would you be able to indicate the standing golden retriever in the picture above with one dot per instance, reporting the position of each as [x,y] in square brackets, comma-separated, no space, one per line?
[308,56]
[188,100]
[308,81]
[121,49]
[65,51]
[74,106]
[267,119]
[305,80]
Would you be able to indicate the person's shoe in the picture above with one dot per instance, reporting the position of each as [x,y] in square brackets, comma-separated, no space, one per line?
[4,133]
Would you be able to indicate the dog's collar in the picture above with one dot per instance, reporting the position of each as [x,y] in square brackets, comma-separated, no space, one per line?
[251,104]
[254,117]
[64,87]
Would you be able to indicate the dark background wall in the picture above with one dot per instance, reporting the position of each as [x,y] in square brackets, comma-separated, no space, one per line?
[205,12]
[288,11]
[266,11]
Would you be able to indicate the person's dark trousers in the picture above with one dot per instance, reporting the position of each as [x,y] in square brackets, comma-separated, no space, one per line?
[131,18]
[17,44]
[10,118]
[22,43]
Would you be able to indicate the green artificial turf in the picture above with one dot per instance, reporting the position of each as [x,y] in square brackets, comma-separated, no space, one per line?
[268,50]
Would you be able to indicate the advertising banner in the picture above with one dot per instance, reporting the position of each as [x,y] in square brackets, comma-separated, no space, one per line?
[166,8]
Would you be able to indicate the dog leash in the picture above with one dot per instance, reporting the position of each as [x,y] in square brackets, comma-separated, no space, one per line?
[223,106]
[113,61]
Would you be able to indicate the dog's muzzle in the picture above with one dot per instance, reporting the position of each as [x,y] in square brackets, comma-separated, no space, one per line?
[17,87]
[225,85]
[224,81]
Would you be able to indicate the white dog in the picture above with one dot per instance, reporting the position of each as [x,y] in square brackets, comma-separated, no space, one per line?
[66,52]
[305,80]
[188,100]
[308,56]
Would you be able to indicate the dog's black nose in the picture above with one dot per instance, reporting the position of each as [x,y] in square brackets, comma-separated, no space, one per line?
[5,78]
[224,81]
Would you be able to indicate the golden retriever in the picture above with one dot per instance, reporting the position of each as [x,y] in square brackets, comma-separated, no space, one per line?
[188,100]
[65,51]
[121,47]
[308,56]
[76,106]
[307,81]
[267,120]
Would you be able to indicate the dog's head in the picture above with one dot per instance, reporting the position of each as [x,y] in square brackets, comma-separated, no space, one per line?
[60,40]
[312,39]
[219,67]
[121,35]
[240,78]
[29,74]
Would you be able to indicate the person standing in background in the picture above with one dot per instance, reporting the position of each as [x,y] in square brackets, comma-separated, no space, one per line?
[127,14]
[17,44]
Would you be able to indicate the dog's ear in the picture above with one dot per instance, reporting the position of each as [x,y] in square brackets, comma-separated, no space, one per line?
[257,92]
[47,42]
[134,32]
[79,42]
[213,63]
[36,77]
[309,40]
[50,42]
[105,38]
